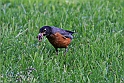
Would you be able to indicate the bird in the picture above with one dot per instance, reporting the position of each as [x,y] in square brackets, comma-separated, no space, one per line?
[58,37]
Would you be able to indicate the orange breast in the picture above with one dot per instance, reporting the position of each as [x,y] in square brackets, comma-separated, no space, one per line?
[59,41]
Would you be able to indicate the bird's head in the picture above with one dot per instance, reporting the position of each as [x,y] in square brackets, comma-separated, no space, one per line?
[44,31]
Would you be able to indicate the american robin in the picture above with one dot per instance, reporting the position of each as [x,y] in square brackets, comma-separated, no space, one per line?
[59,38]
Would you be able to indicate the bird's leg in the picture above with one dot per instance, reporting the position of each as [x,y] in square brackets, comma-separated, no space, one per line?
[66,49]
[56,51]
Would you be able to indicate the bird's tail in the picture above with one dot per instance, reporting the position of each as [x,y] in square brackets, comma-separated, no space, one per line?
[71,32]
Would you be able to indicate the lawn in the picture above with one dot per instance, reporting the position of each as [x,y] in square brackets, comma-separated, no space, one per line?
[95,55]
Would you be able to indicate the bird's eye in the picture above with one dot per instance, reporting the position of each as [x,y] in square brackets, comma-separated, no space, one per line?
[44,30]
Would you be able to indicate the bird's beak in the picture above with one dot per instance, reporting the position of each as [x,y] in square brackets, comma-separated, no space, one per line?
[40,36]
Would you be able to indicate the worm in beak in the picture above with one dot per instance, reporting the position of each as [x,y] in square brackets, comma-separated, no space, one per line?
[40,36]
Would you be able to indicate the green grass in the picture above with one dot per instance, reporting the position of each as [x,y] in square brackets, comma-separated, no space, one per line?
[96,54]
